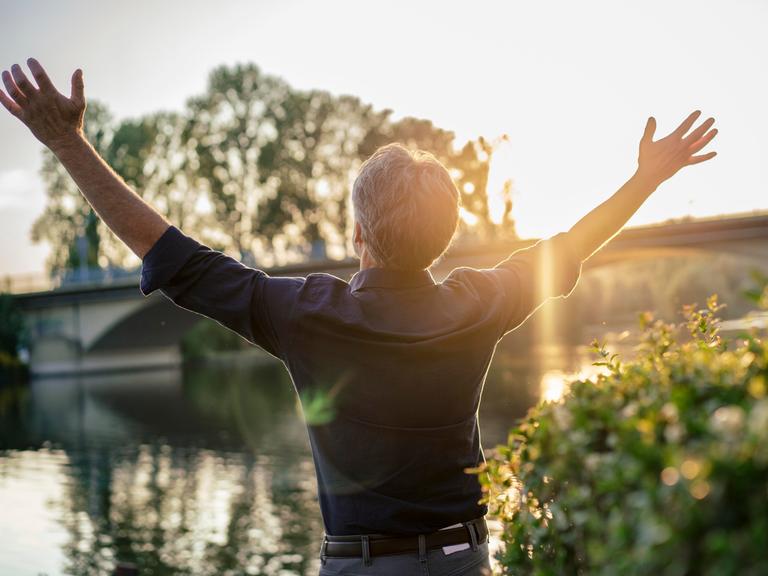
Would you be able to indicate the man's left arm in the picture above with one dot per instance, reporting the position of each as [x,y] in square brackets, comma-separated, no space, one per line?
[244,299]
[657,162]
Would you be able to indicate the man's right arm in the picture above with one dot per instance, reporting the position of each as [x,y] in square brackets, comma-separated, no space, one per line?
[57,121]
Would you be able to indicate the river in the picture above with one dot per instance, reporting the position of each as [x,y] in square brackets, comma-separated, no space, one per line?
[201,471]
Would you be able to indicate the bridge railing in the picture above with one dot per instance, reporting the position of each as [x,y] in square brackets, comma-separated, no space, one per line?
[76,278]
[25,283]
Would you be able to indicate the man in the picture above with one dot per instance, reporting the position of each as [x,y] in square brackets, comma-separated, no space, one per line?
[401,358]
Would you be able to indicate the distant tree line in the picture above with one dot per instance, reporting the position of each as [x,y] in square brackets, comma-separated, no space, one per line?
[253,167]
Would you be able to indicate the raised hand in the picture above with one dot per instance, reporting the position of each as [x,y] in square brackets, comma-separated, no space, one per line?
[53,118]
[661,159]
[658,161]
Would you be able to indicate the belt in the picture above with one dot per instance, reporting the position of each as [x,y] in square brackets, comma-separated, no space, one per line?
[474,532]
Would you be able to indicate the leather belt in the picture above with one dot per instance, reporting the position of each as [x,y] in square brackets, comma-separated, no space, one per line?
[472,532]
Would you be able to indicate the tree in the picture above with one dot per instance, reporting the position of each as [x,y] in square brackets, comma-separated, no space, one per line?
[277,161]
[311,164]
[229,127]
[156,156]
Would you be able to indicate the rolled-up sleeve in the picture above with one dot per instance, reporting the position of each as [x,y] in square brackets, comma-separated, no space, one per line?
[528,277]
[166,257]
[208,282]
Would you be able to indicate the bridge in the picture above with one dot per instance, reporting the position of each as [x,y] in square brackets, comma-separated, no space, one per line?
[107,325]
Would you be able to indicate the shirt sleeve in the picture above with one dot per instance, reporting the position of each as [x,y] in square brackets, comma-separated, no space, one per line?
[528,277]
[208,282]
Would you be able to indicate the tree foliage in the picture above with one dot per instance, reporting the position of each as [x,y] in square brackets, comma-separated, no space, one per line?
[251,166]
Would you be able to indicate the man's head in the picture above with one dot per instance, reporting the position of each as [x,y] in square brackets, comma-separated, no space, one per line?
[406,208]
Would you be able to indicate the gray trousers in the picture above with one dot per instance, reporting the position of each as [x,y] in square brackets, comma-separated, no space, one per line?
[469,562]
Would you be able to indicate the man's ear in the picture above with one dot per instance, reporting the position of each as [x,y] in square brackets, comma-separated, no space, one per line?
[357,238]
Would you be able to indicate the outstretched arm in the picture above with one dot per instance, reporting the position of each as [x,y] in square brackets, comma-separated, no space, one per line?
[657,162]
[57,121]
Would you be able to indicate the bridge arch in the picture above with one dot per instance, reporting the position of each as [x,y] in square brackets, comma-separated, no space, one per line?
[156,324]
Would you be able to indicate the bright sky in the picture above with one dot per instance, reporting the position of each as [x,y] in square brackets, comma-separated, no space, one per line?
[572,83]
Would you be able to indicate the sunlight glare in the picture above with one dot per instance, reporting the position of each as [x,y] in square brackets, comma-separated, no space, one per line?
[467,216]
[553,386]
[499,178]
[555,383]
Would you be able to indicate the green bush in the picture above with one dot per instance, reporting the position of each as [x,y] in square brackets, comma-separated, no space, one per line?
[13,338]
[657,466]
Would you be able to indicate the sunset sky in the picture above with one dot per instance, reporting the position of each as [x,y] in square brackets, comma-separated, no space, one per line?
[572,83]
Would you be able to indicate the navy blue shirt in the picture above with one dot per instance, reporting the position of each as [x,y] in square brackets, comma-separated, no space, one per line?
[395,360]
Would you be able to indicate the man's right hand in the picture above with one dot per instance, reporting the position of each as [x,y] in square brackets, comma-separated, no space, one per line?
[53,118]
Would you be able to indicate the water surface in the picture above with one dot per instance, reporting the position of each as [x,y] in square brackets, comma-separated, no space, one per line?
[201,471]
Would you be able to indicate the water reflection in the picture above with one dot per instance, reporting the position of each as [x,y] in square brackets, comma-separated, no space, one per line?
[554,383]
[170,509]
[206,472]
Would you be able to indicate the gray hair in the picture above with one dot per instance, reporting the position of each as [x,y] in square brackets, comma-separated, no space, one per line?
[407,205]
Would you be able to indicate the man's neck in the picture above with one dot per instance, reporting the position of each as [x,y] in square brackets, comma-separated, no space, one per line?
[366,261]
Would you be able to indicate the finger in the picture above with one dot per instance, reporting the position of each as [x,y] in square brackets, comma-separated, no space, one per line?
[29,89]
[13,90]
[41,77]
[703,141]
[687,123]
[650,129]
[78,87]
[10,105]
[701,158]
[699,132]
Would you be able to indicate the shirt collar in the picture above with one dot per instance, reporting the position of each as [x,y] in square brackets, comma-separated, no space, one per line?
[390,278]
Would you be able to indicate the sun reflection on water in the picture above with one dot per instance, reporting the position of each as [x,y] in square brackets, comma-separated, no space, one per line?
[554,383]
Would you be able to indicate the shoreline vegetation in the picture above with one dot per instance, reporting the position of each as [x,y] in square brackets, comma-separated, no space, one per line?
[13,338]
[658,465]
